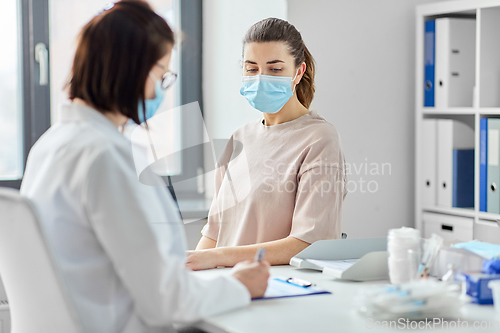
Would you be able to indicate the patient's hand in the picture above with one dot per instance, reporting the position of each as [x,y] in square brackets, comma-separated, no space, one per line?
[201,259]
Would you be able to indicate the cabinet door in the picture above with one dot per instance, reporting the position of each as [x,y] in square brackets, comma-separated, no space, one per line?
[450,228]
[487,231]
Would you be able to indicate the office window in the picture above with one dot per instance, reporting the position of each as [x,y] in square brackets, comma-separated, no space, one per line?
[30,100]
[11,153]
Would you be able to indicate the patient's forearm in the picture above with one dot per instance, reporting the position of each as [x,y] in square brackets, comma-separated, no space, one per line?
[278,252]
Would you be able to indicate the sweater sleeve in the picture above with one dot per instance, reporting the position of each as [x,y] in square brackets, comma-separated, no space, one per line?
[318,204]
[321,189]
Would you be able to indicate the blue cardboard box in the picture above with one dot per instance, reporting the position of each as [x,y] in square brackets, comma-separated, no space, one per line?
[476,284]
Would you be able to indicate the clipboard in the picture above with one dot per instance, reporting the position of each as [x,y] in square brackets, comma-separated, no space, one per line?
[279,287]
[371,255]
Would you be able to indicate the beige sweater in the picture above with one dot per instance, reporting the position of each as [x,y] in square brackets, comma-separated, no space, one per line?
[277,181]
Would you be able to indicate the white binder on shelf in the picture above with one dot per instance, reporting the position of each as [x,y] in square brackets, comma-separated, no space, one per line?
[493,166]
[347,259]
[455,52]
[451,134]
[429,160]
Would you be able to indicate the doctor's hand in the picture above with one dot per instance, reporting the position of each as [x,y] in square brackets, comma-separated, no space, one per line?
[253,275]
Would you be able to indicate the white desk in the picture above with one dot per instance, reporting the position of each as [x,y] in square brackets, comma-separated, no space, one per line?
[317,313]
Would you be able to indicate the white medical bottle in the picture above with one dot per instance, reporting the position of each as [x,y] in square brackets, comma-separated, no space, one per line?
[403,247]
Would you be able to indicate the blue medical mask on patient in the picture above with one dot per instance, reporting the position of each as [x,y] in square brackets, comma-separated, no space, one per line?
[152,105]
[267,93]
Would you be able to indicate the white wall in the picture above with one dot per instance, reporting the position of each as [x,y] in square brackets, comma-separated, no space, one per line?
[225,23]
[365,86]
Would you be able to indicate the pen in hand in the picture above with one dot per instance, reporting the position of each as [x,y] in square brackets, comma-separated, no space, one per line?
[260,254]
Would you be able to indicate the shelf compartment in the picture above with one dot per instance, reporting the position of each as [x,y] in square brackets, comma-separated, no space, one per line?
[449,62]
[487,15]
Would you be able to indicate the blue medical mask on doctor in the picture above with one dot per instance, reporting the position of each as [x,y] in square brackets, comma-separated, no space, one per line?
[152,105]
[267,93]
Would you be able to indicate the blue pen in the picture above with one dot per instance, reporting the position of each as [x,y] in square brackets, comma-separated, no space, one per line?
[260,254]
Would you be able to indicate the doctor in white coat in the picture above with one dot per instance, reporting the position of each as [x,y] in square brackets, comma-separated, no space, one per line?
[120,244]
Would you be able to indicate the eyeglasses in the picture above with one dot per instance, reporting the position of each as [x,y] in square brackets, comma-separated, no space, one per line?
[168,78]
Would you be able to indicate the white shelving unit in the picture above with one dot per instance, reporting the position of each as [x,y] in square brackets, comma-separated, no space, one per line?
[486,103]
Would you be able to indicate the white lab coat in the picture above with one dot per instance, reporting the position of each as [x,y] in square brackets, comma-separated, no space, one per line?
[119,244]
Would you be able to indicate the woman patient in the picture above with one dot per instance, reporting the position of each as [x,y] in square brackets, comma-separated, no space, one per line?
[281,180]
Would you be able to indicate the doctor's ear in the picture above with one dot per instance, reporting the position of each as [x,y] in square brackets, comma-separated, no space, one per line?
[300,72]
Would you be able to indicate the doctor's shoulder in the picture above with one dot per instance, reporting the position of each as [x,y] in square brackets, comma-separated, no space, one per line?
[67,138]
[93,141]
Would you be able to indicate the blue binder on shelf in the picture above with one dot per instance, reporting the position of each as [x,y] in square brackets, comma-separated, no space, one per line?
[463,178]
[430,58]
[483,165]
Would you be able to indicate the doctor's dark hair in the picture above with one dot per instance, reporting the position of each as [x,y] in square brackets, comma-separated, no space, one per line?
[116,51]
[277,30]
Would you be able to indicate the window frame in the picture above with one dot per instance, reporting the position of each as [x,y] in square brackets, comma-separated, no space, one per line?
[190,79]
[35,101]
[33,18]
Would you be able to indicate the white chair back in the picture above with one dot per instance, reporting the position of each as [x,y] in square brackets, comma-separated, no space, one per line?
[35,290]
